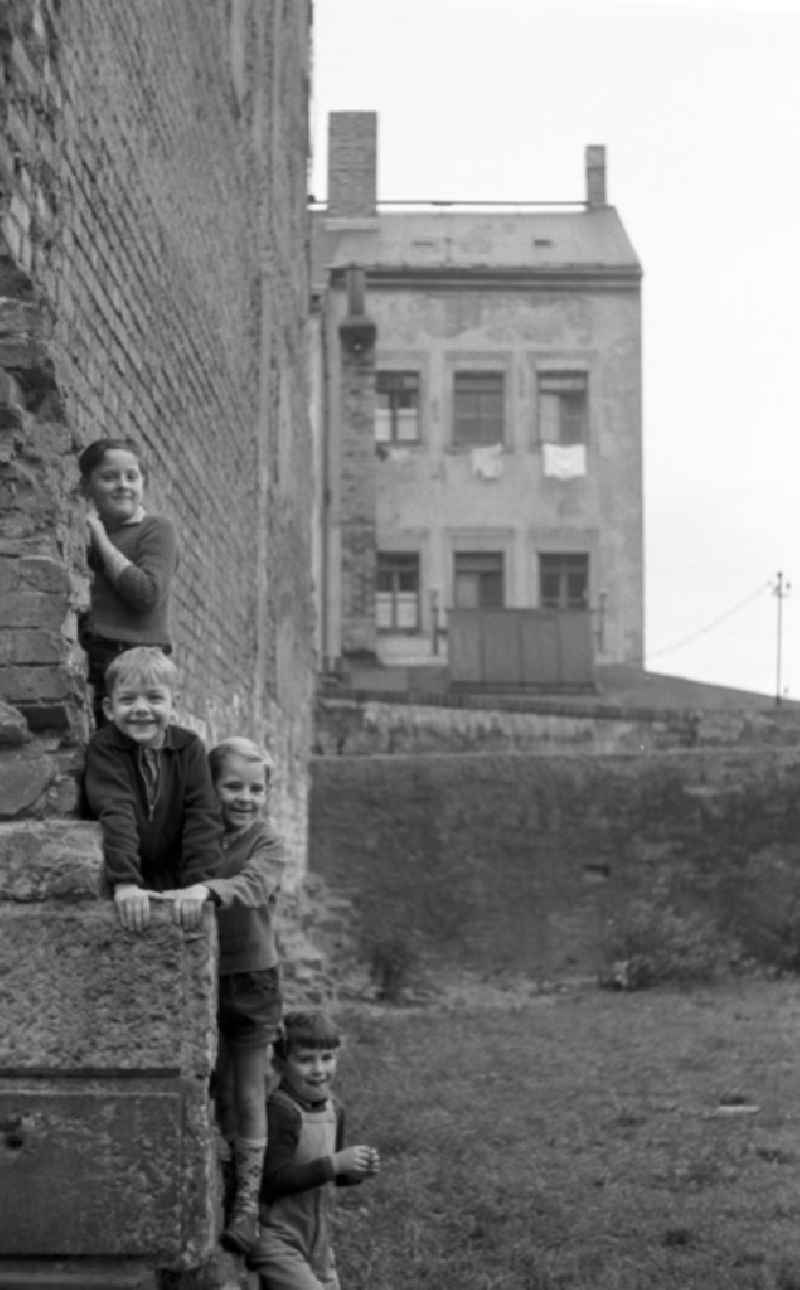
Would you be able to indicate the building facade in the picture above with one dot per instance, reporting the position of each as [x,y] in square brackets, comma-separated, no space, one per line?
[478,399]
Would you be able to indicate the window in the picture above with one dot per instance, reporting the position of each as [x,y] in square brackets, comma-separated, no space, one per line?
[478,580]
[564,581]
[562,407]
[397,592]
[477,408]
[397,407]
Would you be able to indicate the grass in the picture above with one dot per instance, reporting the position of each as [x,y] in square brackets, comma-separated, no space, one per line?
[583,1140]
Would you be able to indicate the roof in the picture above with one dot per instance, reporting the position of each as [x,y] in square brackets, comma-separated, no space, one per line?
[499,240]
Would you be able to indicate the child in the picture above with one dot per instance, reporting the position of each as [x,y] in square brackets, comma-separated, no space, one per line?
[148,784]
[245,893]
[132,556]
[305,1157]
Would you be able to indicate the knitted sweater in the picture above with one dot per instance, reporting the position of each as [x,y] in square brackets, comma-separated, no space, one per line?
[246,885]
[170,841]
[134,607]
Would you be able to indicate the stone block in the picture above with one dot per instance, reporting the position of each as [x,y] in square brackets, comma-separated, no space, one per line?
[32,609]
[78,991]
[13,727]
[60,859]
[34,684]
[24,779]
[92,1167]
[107,1042]
[31,645]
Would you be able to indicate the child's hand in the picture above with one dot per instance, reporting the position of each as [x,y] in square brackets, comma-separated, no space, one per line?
[133,907]
[356,1162]
[188,907]
[96,527]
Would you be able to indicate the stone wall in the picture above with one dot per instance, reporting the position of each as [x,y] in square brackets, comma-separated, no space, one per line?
[154,282]
[514,863]
[369,726]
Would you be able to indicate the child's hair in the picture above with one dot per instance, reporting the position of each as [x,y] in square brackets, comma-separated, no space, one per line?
[145,663]
[237,746]
[305,1030]
[92,456]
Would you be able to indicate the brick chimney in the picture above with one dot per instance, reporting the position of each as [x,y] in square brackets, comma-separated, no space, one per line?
[595,174]
[352,164]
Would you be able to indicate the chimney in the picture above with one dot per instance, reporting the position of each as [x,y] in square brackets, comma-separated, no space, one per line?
[595,175]
[352,164]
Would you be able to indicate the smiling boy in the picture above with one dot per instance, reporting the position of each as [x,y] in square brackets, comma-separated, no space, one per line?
[147,782]
[306,1159]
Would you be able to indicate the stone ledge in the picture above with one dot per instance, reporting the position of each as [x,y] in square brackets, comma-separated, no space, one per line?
[56,859]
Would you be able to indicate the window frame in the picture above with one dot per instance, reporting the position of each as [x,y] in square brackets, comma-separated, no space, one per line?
[560,562]
[466,375]
[478,557]
[403,562]
[394,377]
[563,383]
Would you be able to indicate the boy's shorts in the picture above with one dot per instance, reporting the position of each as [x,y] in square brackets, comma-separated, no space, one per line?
[250,1005]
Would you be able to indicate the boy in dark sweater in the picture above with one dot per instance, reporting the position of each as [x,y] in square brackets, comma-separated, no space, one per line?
[132,556]
[306,1159]
[148,784]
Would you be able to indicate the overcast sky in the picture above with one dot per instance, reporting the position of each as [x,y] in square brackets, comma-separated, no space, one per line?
[699,109]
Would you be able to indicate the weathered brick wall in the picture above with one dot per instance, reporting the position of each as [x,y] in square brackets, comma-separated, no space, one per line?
[515,862]
[153,282]
[358,485]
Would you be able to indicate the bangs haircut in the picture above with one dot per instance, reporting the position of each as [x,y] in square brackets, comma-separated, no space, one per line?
[238,746]
[305,1030]
[92,457]
[145,664]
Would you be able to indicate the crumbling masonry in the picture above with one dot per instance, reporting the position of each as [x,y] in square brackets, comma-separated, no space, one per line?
[153,282]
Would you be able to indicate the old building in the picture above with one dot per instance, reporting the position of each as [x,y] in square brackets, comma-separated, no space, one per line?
[478,403]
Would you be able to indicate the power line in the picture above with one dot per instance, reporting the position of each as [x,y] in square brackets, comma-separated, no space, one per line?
[701,631]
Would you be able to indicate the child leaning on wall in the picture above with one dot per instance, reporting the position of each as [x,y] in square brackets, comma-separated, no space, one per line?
[245,893]
[132,556]
[147,782]
[306,1159]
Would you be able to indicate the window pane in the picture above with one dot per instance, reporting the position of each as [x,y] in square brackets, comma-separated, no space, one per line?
[466,591]
[548,418]
[383,425]
[407,425]
[573,418]
[383,610]
[407,611]
[491,592]
[478,407]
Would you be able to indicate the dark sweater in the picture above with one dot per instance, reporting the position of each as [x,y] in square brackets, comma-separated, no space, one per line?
[247,885]
[177,840]
[134,608]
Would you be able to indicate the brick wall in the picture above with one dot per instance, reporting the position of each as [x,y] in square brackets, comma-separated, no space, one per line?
[358,485]
[153,279]
[515,862]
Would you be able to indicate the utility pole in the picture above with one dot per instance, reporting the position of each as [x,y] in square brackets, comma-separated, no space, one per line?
[781,590]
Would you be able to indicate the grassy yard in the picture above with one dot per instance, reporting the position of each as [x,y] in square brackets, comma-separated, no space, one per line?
[586,1140]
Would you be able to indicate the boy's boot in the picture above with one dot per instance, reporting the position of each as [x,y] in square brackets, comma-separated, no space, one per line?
[241,1229]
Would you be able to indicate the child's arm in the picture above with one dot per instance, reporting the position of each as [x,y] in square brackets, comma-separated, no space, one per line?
[107,797]
[283,1177]
[142,584]
[201,839]
[259,880]
[354,1164]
